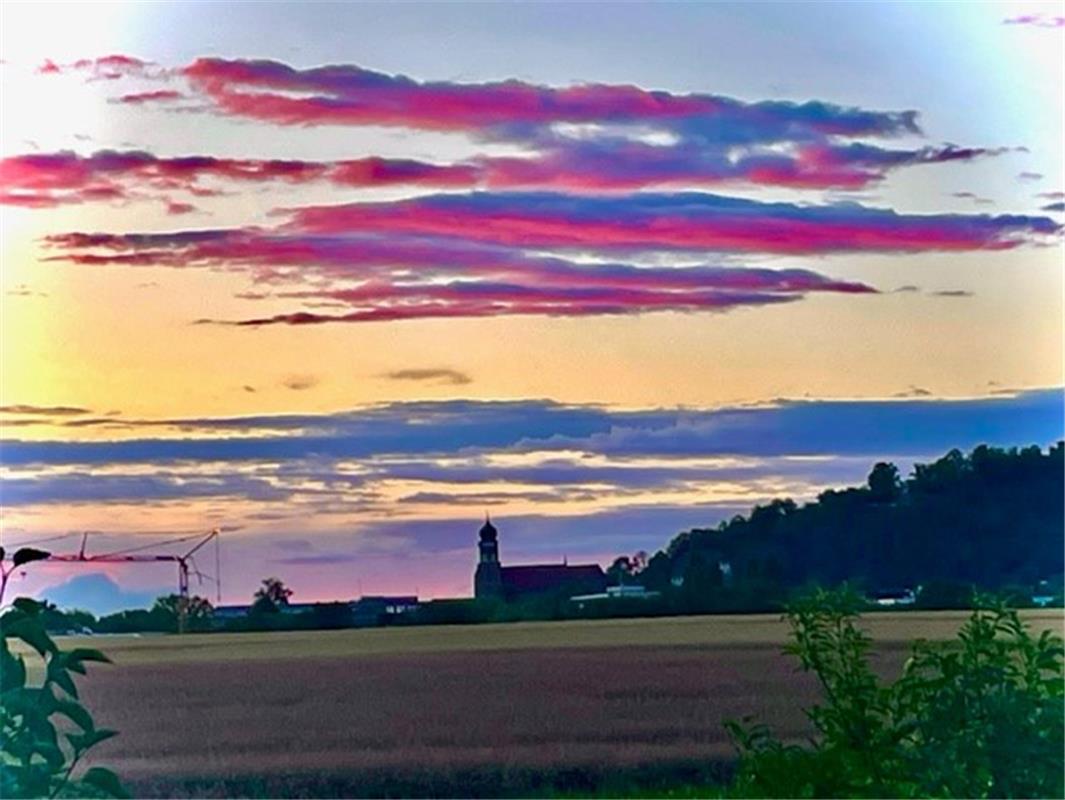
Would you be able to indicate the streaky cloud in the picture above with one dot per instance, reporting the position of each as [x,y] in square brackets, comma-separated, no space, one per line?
[684,220]
[47,411]
[110,67]
[352,95]
[445,375]
[47,180]
[412,277]
[878,428]
[1036,21]
[154,96]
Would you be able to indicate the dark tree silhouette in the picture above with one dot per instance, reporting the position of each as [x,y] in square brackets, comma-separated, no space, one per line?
[624,567]
[885,486]
[271,596]
[991,520]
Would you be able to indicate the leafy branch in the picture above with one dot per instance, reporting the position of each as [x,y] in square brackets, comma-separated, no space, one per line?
[34,760]
[982,716]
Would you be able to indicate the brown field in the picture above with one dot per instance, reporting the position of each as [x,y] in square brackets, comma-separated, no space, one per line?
[463,710]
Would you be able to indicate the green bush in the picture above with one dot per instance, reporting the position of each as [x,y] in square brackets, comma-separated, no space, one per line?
[44,731]
[978,717]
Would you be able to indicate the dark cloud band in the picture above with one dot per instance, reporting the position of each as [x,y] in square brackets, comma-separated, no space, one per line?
[822,427]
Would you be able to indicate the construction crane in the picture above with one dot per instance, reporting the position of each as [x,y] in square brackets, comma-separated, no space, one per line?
[135,555]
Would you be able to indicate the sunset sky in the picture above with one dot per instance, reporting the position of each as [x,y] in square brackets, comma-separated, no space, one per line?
[341,279]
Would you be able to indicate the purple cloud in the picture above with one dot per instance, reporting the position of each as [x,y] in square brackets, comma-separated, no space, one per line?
[406,277]
[46,180]
[1036,20]
[681,221]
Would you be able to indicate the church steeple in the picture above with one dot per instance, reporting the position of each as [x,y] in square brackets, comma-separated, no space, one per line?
[488,531]
[488,545]
[488,580]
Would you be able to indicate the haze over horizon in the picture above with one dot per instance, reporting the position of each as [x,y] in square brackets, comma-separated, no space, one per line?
[341,280]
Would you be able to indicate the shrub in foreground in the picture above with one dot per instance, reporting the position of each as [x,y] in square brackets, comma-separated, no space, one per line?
[44,730]
[978,717]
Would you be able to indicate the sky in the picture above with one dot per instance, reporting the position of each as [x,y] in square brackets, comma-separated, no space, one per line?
[341,279]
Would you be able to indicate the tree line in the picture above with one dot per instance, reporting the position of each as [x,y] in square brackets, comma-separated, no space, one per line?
[989,520]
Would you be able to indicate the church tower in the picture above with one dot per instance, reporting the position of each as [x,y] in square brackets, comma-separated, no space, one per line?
[488,580]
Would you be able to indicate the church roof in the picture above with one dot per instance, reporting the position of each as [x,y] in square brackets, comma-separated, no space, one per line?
[488,531]
[543,577]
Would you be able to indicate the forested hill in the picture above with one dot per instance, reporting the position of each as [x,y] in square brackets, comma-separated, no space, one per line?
[991,519]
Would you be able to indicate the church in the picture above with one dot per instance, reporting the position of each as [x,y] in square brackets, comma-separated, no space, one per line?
[493,580]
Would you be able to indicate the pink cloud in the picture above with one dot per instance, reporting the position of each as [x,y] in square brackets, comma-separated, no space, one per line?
[1036,20]
[51,179]
[176,209]
[374,258]
[710,141]
[628,165]
[580,168]
[685,221]
[402,278]
[434,308]
[110,67]
[28,200]
[348,94]
[716,140]
[469,255]
[386,172]
[46,199]
[352,95]
[156,96]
